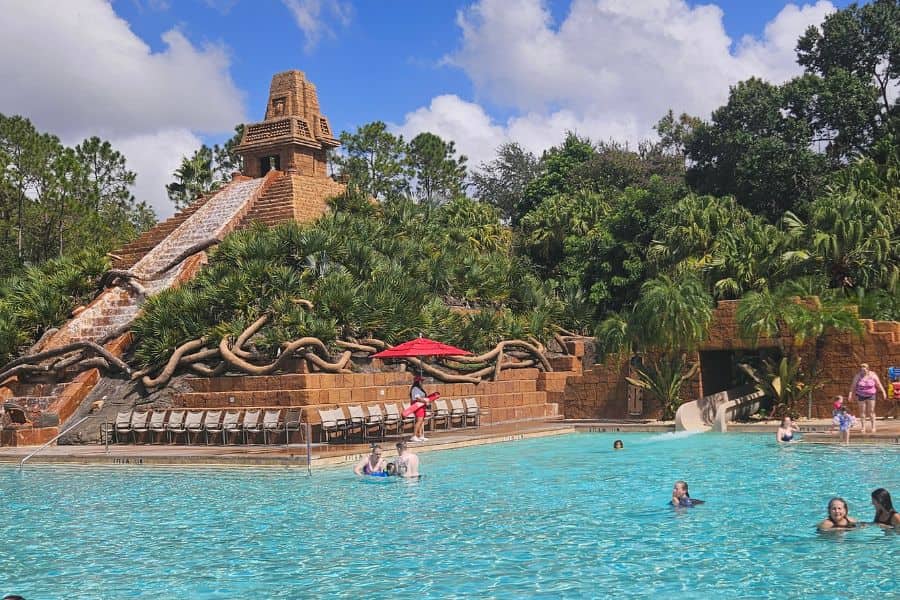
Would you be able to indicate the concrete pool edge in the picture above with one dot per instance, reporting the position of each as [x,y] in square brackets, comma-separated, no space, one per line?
[285,457]
[295,456]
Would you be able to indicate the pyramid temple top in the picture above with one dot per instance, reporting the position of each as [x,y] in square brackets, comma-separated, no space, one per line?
[293,125]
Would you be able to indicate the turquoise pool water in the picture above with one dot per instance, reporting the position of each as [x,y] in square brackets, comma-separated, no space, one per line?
[547,518]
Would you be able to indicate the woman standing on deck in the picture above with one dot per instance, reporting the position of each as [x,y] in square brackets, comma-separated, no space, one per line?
[417,394]
[865,388]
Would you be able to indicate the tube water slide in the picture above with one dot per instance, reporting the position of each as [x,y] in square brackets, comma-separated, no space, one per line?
[714,411]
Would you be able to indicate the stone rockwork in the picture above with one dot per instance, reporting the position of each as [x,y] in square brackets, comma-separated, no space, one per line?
[601,392]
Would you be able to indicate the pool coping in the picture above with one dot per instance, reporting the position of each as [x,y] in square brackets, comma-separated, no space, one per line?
[263,457]
[814,432]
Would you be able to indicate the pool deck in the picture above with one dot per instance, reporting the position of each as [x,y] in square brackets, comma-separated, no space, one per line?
[339,454]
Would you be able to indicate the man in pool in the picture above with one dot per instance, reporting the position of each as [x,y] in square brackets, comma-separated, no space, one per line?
[407,462]
[681,497]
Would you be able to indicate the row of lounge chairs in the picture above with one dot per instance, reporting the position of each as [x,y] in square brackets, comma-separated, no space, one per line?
[377,424]
[250,424]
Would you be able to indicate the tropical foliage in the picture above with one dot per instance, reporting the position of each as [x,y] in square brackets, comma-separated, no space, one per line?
[392,274]
[42,297]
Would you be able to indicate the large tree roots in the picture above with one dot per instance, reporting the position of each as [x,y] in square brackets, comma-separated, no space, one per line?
[234,357]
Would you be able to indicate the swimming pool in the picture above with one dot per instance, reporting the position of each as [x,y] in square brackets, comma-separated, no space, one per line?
[551,517]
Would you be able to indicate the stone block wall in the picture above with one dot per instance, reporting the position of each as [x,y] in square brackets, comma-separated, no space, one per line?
[601,392]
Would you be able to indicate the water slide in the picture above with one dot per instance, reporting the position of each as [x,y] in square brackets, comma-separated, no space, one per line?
[714,411]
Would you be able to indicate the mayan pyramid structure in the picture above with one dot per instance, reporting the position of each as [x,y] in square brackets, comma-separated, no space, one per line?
[284,178]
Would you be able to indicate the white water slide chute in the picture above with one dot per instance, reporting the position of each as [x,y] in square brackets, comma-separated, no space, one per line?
[716,410]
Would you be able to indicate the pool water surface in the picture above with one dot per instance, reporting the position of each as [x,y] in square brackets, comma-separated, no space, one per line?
[553,517]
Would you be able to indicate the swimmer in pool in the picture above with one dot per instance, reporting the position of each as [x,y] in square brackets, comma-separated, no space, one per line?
[407,462]
[838,516]
[885,515]
[618,445]
[785,433]
[373,464]
[681,497]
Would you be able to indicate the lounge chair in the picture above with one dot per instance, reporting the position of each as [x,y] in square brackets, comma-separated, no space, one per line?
[252,425]
[231,423]
[473,413]
[374,420]
[212,424]
[139,420]
[175,425]
[333,421]
[292,422]
[440,413]
[457,412]
[393,412]
[357,421]
[156,425]
[122,426]
[193,423]
[390,422]
[271,424]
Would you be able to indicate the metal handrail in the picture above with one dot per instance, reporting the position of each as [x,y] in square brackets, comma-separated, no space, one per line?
[56,437]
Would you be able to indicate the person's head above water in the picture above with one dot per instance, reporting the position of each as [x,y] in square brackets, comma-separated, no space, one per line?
[376,449]
[786,422]
[837,509]
[618,445]
[401,446]
[681,489]
[881,497]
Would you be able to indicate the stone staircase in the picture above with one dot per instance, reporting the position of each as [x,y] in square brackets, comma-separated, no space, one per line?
[129,254]
[114,308]
[275,206]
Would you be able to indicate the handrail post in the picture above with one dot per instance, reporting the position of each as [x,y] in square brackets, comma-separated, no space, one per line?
[56,437]
[308,449]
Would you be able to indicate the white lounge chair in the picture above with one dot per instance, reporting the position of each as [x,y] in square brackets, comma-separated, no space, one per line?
[231,424]
[271,423]
[175,425]
[212,425]
[440,413]
[193,424]
[473,412]
[457,412]
[252,425]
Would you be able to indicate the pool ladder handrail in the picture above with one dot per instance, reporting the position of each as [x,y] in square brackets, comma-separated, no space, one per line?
[56,437]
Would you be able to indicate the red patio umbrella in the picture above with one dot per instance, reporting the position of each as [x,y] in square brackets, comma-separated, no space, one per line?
[421,347]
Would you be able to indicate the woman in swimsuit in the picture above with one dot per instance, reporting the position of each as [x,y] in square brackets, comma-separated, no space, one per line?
[373,464]
[885,515]
[837,516]
[785,433]
[681,497]
[865,388]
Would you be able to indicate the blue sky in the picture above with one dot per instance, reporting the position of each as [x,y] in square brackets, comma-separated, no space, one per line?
[158,77]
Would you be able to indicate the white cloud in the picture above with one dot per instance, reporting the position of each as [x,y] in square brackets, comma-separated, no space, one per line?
[313,16]
[154,157]
[609,70]
[76,70]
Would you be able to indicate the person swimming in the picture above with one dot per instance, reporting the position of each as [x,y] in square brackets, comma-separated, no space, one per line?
[681,498]
[885,515]
[838,516]
[785,433]
[618,445]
